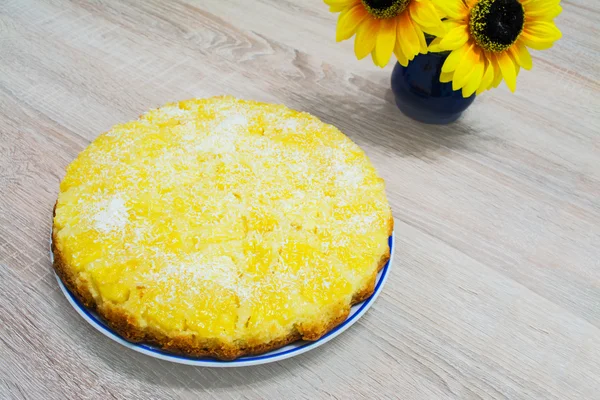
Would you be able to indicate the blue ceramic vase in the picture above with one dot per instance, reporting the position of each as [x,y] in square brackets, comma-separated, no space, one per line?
[420,94]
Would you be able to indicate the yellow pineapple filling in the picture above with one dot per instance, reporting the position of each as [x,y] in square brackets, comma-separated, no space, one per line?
[223,218]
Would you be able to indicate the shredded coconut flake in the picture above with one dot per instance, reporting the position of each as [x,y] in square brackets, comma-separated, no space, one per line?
[290,125]
[363,223]
[223,136]
[231,122]
[348,175]
[113,215]
[173,111]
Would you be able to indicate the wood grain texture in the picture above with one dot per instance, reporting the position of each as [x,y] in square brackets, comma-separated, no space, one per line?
[496,288]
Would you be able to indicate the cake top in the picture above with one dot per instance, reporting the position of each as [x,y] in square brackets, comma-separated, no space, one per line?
[223,217]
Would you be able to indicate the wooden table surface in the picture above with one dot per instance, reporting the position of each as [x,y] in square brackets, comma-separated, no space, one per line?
[495,292]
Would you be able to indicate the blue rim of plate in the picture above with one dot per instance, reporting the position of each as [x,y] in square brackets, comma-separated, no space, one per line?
[291,350]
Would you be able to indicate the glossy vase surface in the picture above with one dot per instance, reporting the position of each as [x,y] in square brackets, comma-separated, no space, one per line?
[420,95]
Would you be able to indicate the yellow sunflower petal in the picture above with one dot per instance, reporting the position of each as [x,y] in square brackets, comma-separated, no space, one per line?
[408,37]
[450,24]
[434,46]
[535,43]
[348,21]
[474,79]
[455,38]
[340,5]
[509,72]
[402,59]
[337,9]
[542,30]
[542,11]
[487,79]
[366,37]
[425,15]
[517,66]
[532,5]
[422,41]
[497,72]
[454,59]
[520,53]
[386,40]
[546,14]
[340,2]
[540,35]
[446,77]
[452,9]
[420,13]
[538,4]
[440,13]
[465,68]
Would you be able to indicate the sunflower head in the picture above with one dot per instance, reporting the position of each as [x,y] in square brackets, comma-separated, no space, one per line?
[489,40]
[386,27]
[385,8]
[496,24]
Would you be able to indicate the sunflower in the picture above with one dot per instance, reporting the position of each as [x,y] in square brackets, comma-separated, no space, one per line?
[489,40]
[383,27]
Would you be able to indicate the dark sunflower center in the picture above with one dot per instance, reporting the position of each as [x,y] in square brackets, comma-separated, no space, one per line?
[496,24]
[385,8]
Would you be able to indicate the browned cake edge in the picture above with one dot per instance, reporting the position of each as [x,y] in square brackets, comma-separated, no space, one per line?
[125,325]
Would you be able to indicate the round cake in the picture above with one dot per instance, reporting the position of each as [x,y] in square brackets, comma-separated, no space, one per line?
[221,227]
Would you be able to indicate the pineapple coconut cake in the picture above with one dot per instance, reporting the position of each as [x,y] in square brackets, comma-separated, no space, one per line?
[221,227]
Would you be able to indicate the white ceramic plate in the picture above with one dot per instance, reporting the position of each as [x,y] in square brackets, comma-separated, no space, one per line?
[288,351]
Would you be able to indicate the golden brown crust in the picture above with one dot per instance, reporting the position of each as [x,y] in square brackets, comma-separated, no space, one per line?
[126,326]
[369,288]
[66,275]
